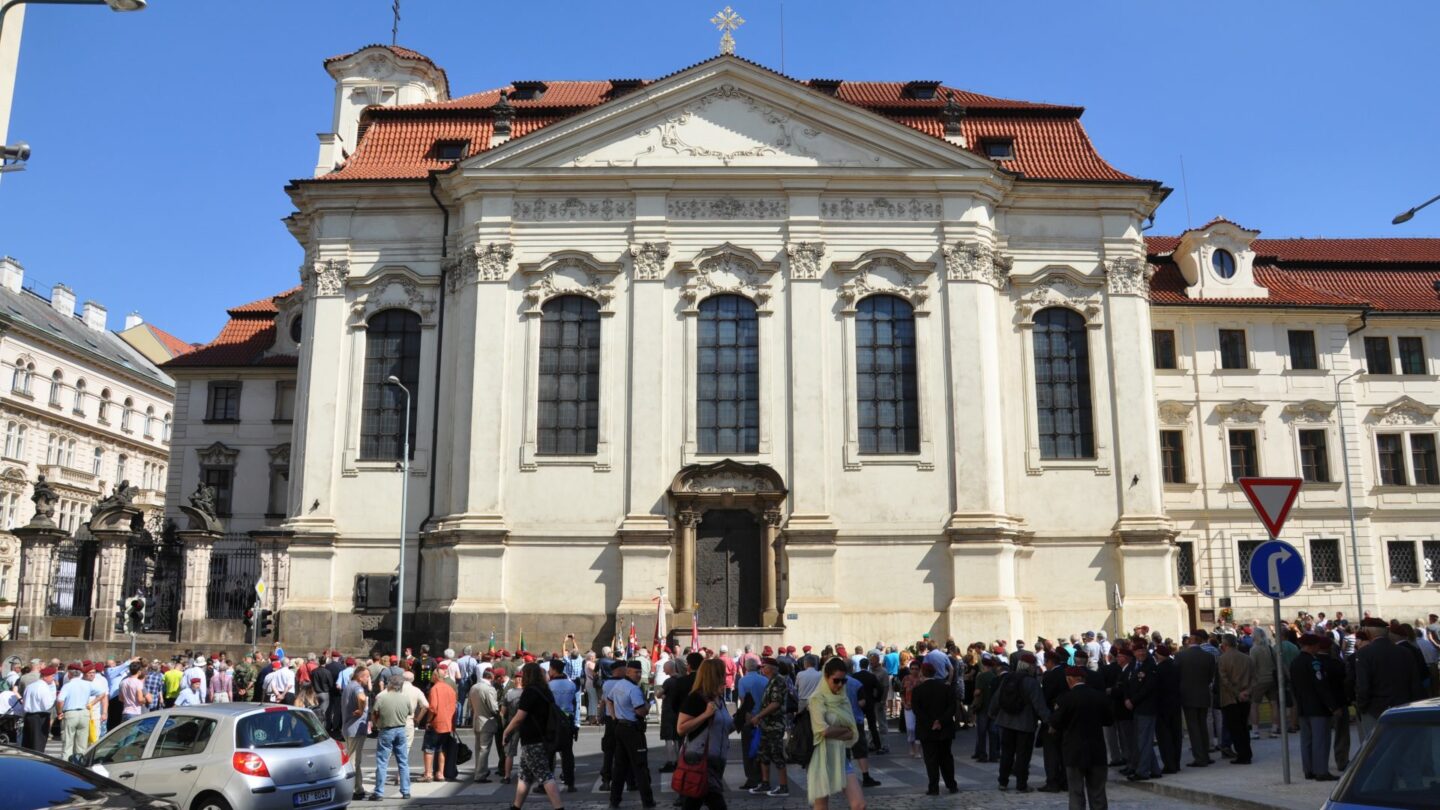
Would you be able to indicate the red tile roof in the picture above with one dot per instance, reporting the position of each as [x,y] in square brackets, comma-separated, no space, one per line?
[1049,141]
[403,53]
[245,340]
[1381,275]
[174,345]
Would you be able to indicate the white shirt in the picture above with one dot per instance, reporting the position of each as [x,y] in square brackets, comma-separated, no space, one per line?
[1092,649]
[278,684]
[9,703]
[194,672]
[40,697]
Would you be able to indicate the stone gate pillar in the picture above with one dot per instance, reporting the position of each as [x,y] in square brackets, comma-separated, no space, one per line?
[198,540]
[37,567]
[274,550]
[112,528]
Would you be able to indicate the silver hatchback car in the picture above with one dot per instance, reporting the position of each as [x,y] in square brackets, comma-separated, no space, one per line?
[228,756]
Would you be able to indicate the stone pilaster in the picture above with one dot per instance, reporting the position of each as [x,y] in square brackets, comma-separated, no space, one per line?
[809,321]
[321,392]
[199,546]
[811,586]
[1147,581]
[37,566]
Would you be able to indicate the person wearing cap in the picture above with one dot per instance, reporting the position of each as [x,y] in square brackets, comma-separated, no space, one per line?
[769,719]
[1169,735]
[484,703]
[280,684]
[749,692]
[631,764]
[1142,698]
[196,670]
[1052,686]
[1313,697]
[1018,708]
[190,693]
[567,701]
[39,702]
[987,734]
[1080,716]
[932,704]
[72,709]
[1237,679]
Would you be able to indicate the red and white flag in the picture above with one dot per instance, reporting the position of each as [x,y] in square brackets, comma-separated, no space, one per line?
[632,647]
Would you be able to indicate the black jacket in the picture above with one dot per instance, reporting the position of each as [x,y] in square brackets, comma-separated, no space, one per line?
[870,691]
[1081,715]
[1198,674]
[1052,685]
[1168,674]
[1143,689]
[1118,692]
[932,700]
[1385,676]
[322,681]
[1308,683]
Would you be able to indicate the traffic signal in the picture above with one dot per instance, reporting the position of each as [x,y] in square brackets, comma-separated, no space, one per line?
[123,615]
[266,624]
[249,620]
[135,617]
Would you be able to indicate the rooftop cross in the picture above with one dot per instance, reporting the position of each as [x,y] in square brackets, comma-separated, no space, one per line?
[395,25]
[727,21]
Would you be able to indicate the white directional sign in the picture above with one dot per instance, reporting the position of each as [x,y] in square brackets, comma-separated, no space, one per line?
[1276,569]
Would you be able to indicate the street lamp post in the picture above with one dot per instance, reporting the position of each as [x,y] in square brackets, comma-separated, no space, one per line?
[115,5]
[1349,498]
[1408,215]
[404,503]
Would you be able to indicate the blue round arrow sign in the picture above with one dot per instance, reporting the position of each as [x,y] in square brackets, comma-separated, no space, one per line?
[1276,569]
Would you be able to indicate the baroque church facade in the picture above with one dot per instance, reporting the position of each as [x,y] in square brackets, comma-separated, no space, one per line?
[811,360]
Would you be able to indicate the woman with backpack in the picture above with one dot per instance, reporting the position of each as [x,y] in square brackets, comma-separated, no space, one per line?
[832,721]
[702,713]
[1018,709]
[533,721]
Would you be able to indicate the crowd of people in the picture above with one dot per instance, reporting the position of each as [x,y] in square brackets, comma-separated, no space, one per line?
[1089,703]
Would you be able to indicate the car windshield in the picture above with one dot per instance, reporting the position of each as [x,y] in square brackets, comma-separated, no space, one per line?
[1401,769]
[292,728]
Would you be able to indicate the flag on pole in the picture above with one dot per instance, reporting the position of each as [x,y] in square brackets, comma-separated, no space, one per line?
[522,641]
[632,647]
[659,631]
[492,640]
[695,629]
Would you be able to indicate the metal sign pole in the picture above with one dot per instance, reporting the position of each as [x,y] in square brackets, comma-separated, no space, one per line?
[132,645]
[1280,680]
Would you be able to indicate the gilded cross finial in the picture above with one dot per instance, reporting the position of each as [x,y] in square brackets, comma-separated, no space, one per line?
[727,21]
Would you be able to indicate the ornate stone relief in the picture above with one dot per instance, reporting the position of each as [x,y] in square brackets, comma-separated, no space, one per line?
[1403,411]
[1241,410]
[649,259]
[570,272]
[1311,410]
[488,262]
[805,259]
[726,481]
[1129,276]
[573,209]
[324,278]
[888,272]
[1061,290]
[728,208]
[217,455]
[280,456]
[976,261]
[914,209]
[391,291]
[1175,412]
[727,269]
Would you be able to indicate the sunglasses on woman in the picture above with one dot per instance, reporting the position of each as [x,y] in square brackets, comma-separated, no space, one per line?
[837,680]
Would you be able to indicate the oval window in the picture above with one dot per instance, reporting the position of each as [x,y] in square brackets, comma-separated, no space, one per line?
[1223,262]
[296,329]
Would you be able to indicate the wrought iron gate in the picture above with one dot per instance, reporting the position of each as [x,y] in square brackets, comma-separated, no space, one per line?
[234,570]
[155,568]
[72,579]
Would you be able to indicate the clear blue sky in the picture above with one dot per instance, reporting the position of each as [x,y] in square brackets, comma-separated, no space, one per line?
[163,140]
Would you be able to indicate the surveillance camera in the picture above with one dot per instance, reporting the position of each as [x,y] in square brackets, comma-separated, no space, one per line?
[18,152]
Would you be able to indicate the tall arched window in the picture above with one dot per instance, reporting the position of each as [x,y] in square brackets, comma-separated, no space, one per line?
[104,414]
[57,384]
[1062,385]
[53,447]
[569,391]
[121,462]
[392,347]
[165,435]
[727,387]
[887,394]
[149,421]
[99,461]
[79,407]
[128,409]
[24,370]
[14,440]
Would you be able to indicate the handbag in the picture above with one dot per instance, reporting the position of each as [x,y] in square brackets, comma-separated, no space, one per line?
[463,753]
[692,774]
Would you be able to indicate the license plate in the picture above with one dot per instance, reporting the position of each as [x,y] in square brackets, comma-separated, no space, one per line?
[309,797]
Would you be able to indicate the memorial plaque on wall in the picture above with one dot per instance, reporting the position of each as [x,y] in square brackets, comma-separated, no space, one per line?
[67,628]
[1207,617]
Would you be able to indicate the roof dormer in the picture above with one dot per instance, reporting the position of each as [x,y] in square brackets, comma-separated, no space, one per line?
[1217,261]
[375,75]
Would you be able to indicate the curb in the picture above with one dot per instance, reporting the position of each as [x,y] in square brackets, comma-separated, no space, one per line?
[1197,796]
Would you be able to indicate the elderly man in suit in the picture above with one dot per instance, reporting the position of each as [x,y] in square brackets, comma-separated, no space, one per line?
[1237,678]
[1081,715]
[1197,678]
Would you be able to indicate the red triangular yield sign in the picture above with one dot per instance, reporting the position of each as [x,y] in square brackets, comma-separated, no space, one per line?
[1271,499]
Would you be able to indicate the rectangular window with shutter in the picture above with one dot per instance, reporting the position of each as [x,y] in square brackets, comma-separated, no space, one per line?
[1412,355]
[1302,350]
[1244,461]
[1164,342]
[1314,457]
[1377,356]
[1172,456]
[1422,459]
[1390,456]
[1233,353]
[1325,562]
[1401,555]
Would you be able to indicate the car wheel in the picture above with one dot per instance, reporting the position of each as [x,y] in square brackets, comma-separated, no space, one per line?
[210,801]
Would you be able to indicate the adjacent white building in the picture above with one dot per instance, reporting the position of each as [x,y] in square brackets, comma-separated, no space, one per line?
[824,360]
[79,405]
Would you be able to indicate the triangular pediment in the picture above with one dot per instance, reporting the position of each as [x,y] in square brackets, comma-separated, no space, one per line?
[727,113]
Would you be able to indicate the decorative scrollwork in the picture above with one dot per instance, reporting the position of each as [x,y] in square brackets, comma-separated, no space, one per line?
[324,278]
[488,262]
[1129,276]
[976,261]
[649,259]
[805,259]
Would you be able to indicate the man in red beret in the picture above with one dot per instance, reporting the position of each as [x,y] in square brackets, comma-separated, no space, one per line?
[39,703]
[1169,733]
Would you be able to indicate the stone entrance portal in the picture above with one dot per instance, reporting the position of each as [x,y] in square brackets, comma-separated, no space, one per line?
[727,568]
[726,556]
